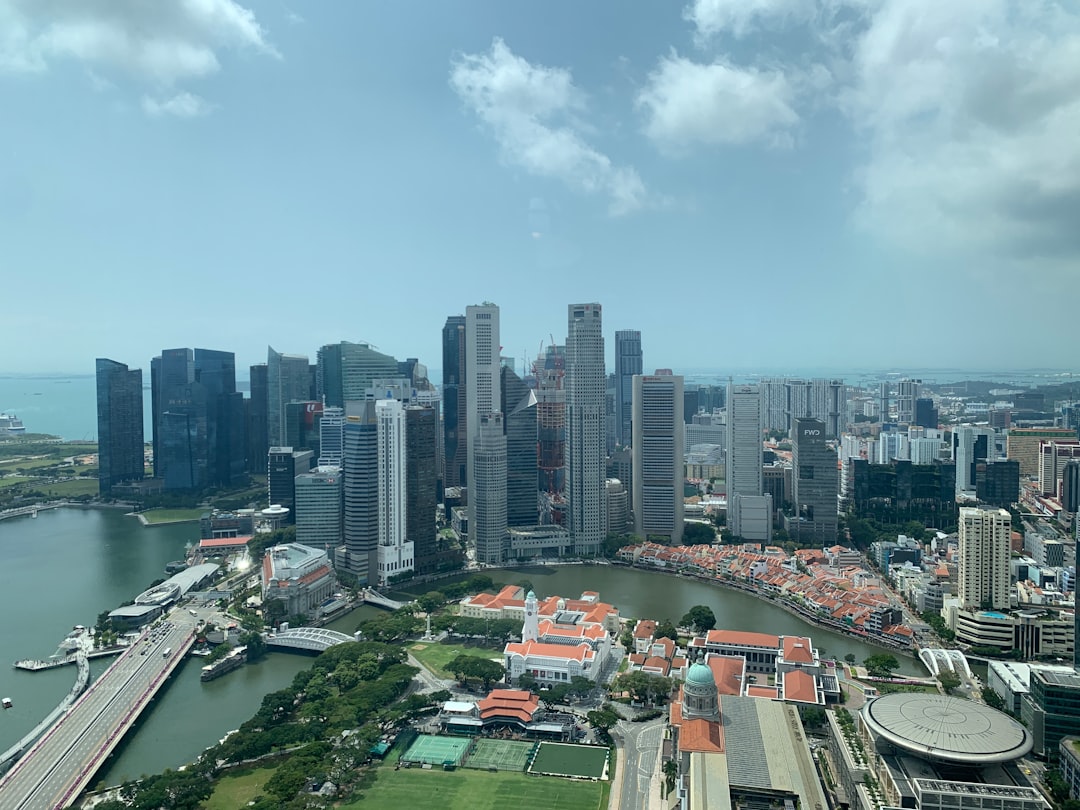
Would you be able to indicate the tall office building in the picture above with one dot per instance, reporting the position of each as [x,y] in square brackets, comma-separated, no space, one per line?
[518,406]
[455,408]
[550,370]
[926,415]
[226,426]
[907,392]
[586,387]
[657,451]
[361,468]
[421,482]
[318,498]
[258,415]
[749,516]
[984,558]
[970,446]
[288,379]
[883,401]
[998,482]
[627,365]
[395,550]
[487,494]
[283,465]
[773,397]
[332,437]
[815,484]
[481,383]
[1070,486]
[120,424]
[345,371]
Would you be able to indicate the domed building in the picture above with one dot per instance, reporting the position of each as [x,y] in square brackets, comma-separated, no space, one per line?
[700,697]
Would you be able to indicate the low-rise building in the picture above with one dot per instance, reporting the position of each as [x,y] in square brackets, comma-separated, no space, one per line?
[299,576]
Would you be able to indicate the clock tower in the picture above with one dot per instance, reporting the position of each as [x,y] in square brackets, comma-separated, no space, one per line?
[530,630]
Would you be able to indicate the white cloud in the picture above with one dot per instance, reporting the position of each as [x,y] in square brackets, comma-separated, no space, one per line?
[534,113]
[740,17]
[159,43]
[688,103]
[182,105]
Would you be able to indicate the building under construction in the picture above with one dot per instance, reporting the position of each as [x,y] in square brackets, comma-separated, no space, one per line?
[549,371]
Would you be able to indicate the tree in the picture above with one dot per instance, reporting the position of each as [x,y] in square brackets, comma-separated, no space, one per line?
[666,630]
[527,681]
[627,640]
[700,618]
[949,680]
[671,774]
[602,719]
[698,534]
[881,665]
[812,716]
[643,687]
[850,658]
[994,700]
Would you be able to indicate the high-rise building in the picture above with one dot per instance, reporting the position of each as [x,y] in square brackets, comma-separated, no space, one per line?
[303,420]
[362,491]
[332,437]
[627,364]
[997,482]
[120,424]
[481,383]
[815,484]
[226,426]
[970,446]
[518,406]
[883,401]
[924,450]
[744,462]
[618,506]
[773,397]
[984,558]
[395,551]
[657,452]
[258,416]
[283,465]
[181,450]
[287,380]
[550,372]
[1022,444]
[455,408]
[345,371]
[586,384]
[487,492]
[421,482]
[926,415]
[1053,455]
[1070,487]
[907,392]
[319,508]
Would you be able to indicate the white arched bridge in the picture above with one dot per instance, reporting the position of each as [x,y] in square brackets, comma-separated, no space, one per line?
[308,639]
[938,660]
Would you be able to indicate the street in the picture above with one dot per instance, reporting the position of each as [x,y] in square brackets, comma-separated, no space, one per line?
[640,744]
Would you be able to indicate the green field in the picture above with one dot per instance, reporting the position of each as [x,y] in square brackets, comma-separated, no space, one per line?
[477,790]
[70,489]
[153,516]
[570,760]
[436,656]
[231,792]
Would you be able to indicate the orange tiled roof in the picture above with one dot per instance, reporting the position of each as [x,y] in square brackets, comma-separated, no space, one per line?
[580,652]
[656,662]
[514,703]
[800,686]
[727,671]
[798,650]
[743,638]
[701,735]
[756,691]
[644,628]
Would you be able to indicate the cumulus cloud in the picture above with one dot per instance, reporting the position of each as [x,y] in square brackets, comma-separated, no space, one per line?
[160,43]
[688,103]
[182,105]
[535,114]
[740,17]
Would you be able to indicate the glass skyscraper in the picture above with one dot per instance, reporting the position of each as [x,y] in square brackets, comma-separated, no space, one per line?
[120,424]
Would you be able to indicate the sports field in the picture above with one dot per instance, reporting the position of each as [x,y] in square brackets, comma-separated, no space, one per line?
[505,755]
[567,759]
[436,750]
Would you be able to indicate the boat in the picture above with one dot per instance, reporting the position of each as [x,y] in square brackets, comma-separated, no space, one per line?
[175,567]
[7,703]
[234,660]
[10,423]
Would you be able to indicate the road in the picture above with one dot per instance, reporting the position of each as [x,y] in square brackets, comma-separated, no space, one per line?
[63,761]
[640,743]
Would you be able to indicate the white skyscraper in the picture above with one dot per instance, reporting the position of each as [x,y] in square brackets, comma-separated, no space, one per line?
[487,494]
[395,551]
[984,558]
[332,437]
[657,455]
[586,407]
[482,389]
[749,512]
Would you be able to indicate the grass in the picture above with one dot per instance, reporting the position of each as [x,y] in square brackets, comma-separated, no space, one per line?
[237,790]
[897,688]
[436,656]
[70,489]
[171,515]
[570,760]
[476,790]
[13,482]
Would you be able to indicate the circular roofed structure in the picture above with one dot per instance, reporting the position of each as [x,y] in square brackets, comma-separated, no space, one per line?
[947,729]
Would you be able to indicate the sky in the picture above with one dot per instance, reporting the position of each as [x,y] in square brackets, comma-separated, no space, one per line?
[750,183]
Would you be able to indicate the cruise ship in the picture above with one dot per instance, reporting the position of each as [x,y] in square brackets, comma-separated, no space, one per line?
[10,423]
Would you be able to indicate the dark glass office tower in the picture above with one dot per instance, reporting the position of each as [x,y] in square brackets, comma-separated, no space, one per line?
[361,469]
[283,465]
[346,370]
[226,435]
[258,428]
[455,421]
[926,415]
[120,424]
[815,482]
[518,406]
[421,478]
[627,364]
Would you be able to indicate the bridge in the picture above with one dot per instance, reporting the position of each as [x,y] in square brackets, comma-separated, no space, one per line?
[938,660]
[307,639]
[81,679]
[29,510]
[62,762]
[373,597]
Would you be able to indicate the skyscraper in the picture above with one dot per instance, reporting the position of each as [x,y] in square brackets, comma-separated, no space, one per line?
[332,437]
[120,424]
[926,415]
[346,370]
[481,384]
[362,491]
[258,414]
[287,380]
[421,479]
[395,550]
[455,408]
[487,492]
[182,452]
[586,385]
[749,515]
[226,427]
[627,364]
[282,467]
[550,369]
[815,484]
[907,392]
[319,508]
[657,450]
[984,558]
[518,406]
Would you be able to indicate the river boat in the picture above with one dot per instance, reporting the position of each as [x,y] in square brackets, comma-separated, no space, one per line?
[7,703]
[234,660]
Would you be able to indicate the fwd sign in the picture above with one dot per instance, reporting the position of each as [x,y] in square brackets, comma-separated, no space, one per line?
[811,432]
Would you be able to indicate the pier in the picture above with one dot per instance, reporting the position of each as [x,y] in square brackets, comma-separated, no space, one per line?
[82,678]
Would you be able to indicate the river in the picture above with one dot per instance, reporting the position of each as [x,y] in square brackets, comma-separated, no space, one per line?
[67,565]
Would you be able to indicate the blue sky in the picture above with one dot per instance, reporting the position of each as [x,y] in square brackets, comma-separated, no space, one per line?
[751,183]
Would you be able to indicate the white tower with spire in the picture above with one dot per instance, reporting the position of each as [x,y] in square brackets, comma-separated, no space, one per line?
[530,630]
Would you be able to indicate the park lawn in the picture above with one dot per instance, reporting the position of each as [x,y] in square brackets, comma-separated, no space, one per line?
[13,482]
[70,489]
[466,789]
[171,515]
[436,656]
[231,792]
[10,465]
[903,688]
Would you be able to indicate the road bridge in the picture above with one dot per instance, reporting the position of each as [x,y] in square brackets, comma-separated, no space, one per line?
[938,660]
[62,762]
[307,639]
[373,597]
[82,678]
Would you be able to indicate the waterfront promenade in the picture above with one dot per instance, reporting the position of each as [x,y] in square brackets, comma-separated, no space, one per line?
[58,767]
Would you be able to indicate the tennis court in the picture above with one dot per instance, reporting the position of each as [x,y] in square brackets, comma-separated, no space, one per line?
[567,759]
[434,750]
[502,755]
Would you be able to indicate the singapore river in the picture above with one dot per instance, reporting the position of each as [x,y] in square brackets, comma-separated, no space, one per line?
[67,565]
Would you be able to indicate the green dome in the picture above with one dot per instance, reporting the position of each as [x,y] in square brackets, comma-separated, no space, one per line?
[530,595]
[700,675]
